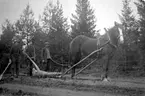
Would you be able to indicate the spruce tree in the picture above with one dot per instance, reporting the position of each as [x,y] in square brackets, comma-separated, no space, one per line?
[140,4]
[8,32]
[25,25]
[130,35]
[141,11]
[129,23]
[83,23]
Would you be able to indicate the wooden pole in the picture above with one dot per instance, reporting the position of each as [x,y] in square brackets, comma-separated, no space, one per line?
[39,72]
[37,68]
[86,66]
[81,61]
[10,61]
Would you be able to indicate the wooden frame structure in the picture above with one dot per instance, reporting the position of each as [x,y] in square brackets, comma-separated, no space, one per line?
[82,61]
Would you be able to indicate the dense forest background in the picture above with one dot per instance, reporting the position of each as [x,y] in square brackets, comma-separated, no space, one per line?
[53,27]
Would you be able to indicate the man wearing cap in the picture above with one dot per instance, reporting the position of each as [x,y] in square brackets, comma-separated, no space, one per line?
[46,57]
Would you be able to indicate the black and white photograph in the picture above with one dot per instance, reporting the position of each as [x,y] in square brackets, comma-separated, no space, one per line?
[72,47]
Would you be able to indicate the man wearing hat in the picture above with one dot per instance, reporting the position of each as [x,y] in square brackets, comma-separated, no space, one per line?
[46,56]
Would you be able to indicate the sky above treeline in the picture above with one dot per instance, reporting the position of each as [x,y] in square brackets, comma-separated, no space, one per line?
[106,11]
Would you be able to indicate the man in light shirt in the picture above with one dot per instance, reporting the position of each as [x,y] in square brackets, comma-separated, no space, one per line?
[46,57]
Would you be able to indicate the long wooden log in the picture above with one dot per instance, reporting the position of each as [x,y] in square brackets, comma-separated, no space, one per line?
[37,68]
[38,72]
[44,73]
[81,61]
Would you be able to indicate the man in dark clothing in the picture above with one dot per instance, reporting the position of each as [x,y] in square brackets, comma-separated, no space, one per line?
[15,53]
[45,54]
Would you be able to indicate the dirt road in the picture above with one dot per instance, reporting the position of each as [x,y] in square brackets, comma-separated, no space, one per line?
[75,87]
[43,91]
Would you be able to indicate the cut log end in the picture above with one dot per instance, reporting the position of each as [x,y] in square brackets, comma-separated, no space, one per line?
[41,73]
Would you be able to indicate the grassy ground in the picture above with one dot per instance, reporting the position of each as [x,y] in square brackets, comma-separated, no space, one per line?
[7,92]
[51,83]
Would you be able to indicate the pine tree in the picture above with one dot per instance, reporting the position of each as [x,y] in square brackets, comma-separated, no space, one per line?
[8,32]
[25,25]
[140,4]
[56,27]
[83,23]
[141,11]
[130,24]
[130,35]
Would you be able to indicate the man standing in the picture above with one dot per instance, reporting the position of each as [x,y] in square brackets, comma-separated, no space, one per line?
[46,57]
[15,53]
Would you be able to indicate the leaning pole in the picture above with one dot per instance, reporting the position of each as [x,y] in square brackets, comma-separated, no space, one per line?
[81,61]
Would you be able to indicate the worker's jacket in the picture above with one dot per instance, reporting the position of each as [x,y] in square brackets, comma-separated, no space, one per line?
[15,51]
[45,54]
